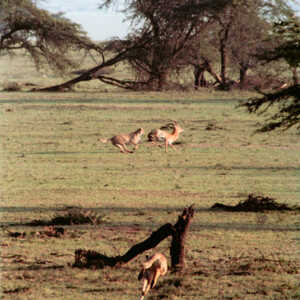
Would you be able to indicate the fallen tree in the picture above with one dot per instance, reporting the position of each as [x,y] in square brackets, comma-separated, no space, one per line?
[93,259]
[85,76]
[124,53]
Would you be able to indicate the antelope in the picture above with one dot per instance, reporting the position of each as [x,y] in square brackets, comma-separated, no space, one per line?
[154,267]
[158,135]
[122,140]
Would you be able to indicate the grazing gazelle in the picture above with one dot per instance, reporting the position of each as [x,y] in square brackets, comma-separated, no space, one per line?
[122,140]
[158,135]
[154,267]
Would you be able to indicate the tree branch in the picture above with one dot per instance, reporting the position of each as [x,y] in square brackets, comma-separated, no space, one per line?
[93,259]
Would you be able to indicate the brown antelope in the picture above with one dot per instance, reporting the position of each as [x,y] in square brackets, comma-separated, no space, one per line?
[158,135]
[122,140]
[154,267]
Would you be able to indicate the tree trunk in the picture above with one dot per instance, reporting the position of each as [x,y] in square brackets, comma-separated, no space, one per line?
[243,73]
[177,250]
[162,80]
[157,82]
[223,63]
[93,259]
[210,70]
[295,75]
[199,79]
[223,39]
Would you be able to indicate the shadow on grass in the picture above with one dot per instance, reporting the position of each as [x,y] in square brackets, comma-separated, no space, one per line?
[14,209]
[38,267]
[120,101]
[196,226]
[95,216]
[103,290]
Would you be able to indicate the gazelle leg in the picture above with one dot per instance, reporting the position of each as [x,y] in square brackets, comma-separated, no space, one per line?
[146,287]
[173,147]
[153,283]
[125,148]
[155,144]
[120,147]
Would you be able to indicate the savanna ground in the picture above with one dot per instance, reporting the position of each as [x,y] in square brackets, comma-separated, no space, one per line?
[51,163]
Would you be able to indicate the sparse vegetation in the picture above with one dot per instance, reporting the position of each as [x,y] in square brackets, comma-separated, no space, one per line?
[255,204]
[11,87]
[55,174]
[73,216]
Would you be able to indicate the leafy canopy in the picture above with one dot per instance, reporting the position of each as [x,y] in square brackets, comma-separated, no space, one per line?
[287,100]
[48,38]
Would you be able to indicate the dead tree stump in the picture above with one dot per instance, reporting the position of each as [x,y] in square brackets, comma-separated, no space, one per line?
[177,249]
[93,259]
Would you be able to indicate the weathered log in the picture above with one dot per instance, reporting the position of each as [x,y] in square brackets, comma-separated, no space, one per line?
[92,259]
[155,238]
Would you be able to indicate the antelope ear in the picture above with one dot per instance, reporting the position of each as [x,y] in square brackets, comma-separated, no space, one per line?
[170,124]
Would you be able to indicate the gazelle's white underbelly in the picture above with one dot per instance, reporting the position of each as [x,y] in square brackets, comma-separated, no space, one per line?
[161,136]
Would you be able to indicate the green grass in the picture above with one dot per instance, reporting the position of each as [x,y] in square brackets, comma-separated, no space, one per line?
[54,146]
[51,160]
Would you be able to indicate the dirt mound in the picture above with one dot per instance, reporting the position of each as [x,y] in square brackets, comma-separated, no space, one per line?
[253,204]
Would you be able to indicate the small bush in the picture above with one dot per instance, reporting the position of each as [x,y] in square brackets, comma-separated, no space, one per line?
[72,217]
[254,204]
[11,87]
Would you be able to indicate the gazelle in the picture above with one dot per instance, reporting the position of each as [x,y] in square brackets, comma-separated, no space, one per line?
[158,135]
[154,267]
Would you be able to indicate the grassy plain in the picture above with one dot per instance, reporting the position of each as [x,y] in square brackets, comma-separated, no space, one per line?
[51,161]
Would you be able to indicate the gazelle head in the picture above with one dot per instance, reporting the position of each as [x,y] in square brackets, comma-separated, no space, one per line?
[172,125]
[177,127]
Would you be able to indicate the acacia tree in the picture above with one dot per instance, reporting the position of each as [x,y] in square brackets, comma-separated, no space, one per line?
[287,33]
[164,31]
[287,100]
[48,38]
[169,27]
[252,34]
[232,42]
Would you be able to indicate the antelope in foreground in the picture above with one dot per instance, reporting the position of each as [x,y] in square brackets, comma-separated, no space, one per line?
[158,135]
[154,267]
[122,140]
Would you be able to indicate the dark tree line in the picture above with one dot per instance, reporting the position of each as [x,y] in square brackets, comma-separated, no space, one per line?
[220,38]
[287,100]
[222,41]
